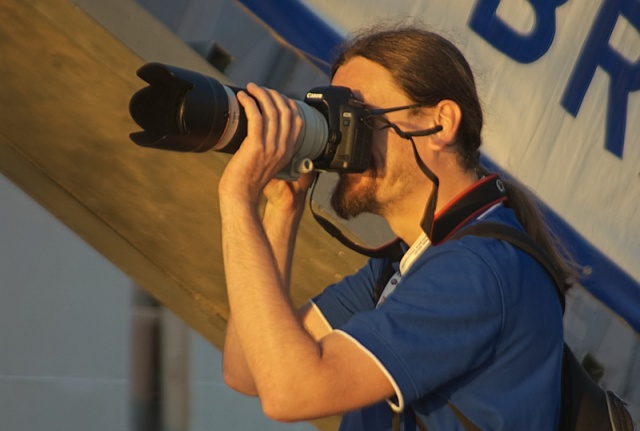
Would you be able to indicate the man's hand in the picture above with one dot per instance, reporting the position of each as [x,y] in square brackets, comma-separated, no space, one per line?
[287,196]
[274,124]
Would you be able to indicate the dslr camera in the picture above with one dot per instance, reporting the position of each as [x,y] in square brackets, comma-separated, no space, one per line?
[182,110]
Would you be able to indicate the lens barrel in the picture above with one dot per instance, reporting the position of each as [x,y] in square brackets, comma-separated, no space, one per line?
[182,110]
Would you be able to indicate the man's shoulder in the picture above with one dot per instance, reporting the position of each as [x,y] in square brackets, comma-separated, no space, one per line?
[474,255]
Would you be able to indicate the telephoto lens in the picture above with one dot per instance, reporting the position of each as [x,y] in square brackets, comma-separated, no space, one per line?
[183,110]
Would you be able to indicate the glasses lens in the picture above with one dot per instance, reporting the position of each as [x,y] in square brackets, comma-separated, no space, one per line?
[378,122]
[369,121]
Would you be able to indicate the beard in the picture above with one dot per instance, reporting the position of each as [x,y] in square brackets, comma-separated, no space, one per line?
[350,199]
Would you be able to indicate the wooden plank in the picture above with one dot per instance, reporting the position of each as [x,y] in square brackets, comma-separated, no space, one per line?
[64,125]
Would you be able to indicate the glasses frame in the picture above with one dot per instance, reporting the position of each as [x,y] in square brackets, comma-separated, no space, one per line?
[377,114]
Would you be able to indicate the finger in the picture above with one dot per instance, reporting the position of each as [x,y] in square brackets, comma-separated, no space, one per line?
[288,117]
[291,124]
[296,122]
[252,111]
[269,114]
[306,180]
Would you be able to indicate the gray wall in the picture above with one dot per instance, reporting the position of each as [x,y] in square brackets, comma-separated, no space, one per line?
[64,325]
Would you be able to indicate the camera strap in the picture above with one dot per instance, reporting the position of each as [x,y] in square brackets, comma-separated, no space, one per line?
[392,249]
[481,196]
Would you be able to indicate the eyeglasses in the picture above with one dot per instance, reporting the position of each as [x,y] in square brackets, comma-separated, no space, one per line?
[376,121]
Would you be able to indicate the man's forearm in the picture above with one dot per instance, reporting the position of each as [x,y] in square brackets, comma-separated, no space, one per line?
[280,230]
[268,329]
[235,370]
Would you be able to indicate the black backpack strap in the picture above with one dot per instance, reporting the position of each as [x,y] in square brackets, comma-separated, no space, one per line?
[521,240]
[584,404]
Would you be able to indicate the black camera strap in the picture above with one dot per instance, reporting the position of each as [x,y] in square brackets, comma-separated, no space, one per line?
[485,193]
[392,249]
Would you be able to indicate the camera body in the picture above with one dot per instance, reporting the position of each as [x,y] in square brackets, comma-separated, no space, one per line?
[348,147]
[182,110]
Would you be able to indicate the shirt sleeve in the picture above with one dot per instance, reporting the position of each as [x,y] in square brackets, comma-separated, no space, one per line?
[339,302]
[442,321]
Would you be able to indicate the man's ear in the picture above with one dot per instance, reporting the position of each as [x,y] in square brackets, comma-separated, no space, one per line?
[447,113]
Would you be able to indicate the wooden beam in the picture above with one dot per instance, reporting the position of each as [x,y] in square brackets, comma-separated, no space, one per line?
[64,125]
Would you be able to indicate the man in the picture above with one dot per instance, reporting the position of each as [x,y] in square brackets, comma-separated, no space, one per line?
[467,329]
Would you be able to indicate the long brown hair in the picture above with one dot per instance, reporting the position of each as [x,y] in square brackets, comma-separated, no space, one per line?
[429,68]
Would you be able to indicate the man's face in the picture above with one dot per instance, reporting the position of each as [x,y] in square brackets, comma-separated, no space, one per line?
[392,171]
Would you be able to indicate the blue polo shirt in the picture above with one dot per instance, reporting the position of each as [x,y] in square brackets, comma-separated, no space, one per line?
[474,322]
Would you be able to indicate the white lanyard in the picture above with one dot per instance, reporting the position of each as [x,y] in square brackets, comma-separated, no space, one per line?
[415,251]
